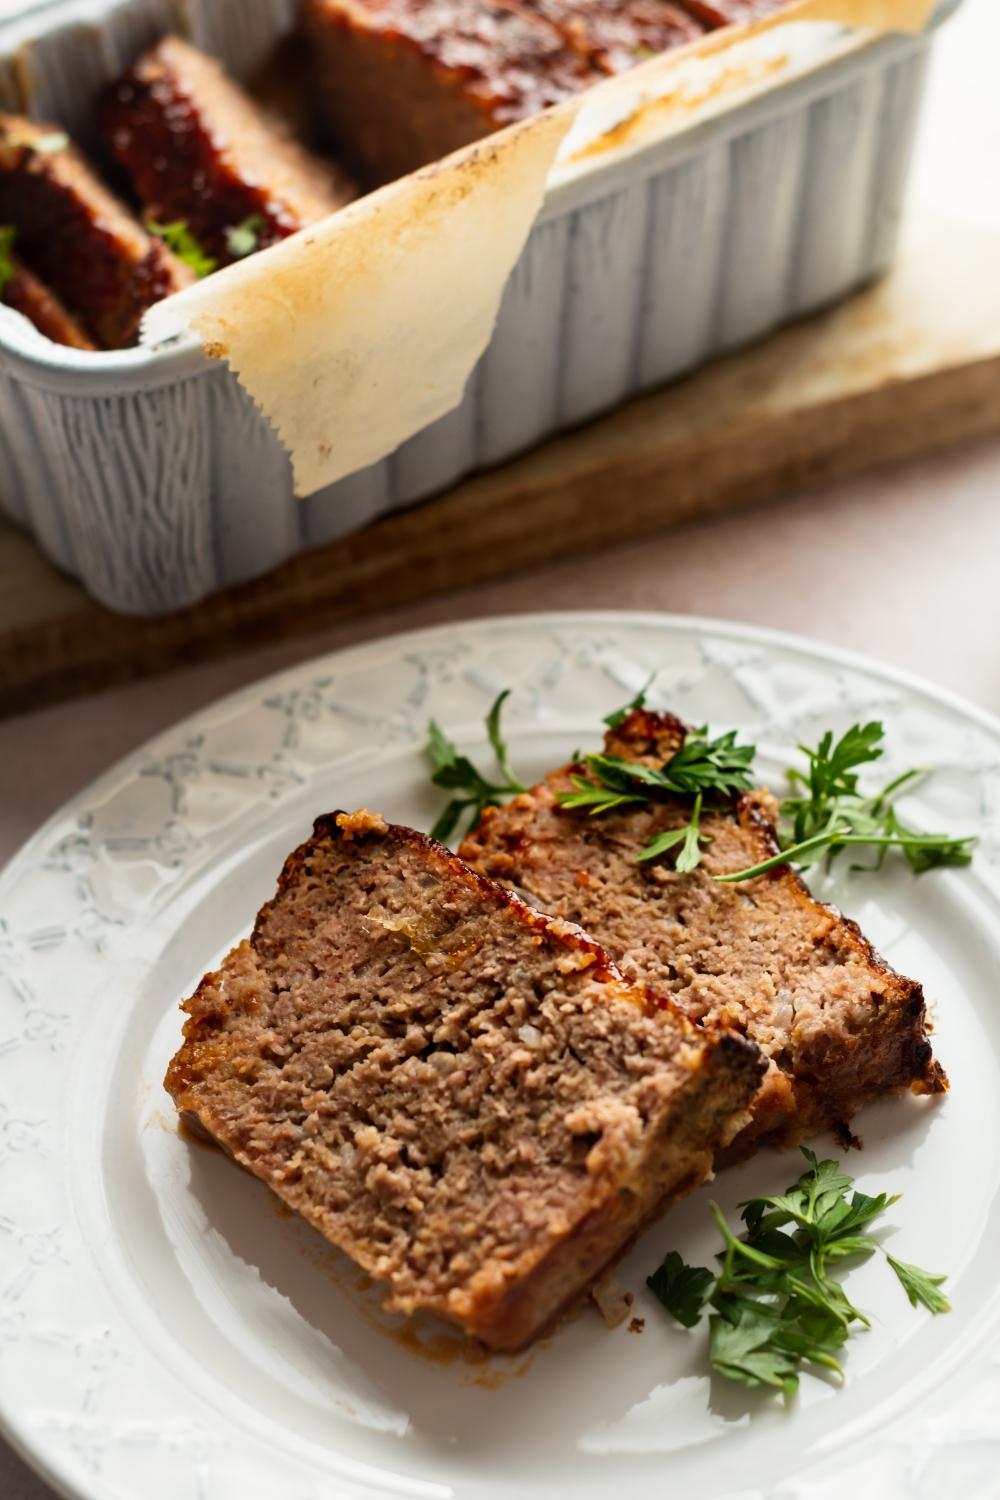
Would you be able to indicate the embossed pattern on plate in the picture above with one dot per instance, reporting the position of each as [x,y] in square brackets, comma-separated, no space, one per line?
[164,1332]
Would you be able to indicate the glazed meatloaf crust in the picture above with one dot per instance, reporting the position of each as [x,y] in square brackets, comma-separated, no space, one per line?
[198,148]
[29,296]
[400,83]
[837,1025]
[618,34]
[77,237]
[463,1095]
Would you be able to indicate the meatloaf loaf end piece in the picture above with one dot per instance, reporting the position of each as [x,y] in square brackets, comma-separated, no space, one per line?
[401,83]
[77,237]
[197,147]
[26,294]
[618,34]
[463,1095]
[838,1026]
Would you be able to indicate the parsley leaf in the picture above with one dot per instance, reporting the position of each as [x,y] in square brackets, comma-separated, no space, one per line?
[827,812]
[831,770]
[689,836]
[243,239]
[609,786]
[704,765]
[742,1346]
[179,239]
[921,1286]
[774,1304]
[700,767]
[457,773]
[681,1288]
[8,234]
[617,719]
[498,744]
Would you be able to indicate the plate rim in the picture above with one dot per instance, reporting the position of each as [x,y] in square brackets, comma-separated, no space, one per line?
[763,634]
[39,1456]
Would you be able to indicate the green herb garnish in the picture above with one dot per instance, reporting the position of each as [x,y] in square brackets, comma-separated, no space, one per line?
[774,1303]
[682,1289]
[920,1286]
[178,238]
[618,717]
[457,773]
[689,836]
[701,767]
[8,234]
[243,239]
[827,812]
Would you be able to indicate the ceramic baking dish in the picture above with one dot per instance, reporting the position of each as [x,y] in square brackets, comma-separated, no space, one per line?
[150,475]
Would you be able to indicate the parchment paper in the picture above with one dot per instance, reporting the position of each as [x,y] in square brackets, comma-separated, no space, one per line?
[360,331]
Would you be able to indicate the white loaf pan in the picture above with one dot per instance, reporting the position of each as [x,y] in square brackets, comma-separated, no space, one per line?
[150,475]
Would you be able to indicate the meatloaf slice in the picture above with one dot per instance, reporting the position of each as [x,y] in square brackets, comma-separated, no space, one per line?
[617,34]
[198,148]
[401,83]
[463,1095]
[837,1025]
[76,235]
[31,297]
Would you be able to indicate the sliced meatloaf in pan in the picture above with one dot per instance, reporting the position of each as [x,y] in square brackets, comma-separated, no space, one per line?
[76,235]
[198,148]
[463,1095]
[838,1026]
[617,34]
[31,297]
[401,83]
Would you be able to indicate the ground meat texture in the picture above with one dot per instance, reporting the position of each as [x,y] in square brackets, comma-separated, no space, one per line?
[617,34]
[77,237]
[29,296]
[463,1095]
[838,1026]
[198,148]
[401,83]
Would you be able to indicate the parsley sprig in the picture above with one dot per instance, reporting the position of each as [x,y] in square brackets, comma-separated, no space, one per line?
[700,768]
[774,1303]
[825,813]
[457,773]
[7,266]
[617,717]
[181,242]
[828,813]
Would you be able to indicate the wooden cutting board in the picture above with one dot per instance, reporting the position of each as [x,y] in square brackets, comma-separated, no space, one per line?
[908,367]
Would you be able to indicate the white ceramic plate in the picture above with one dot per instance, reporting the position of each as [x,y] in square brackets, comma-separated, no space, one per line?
[166,1334]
